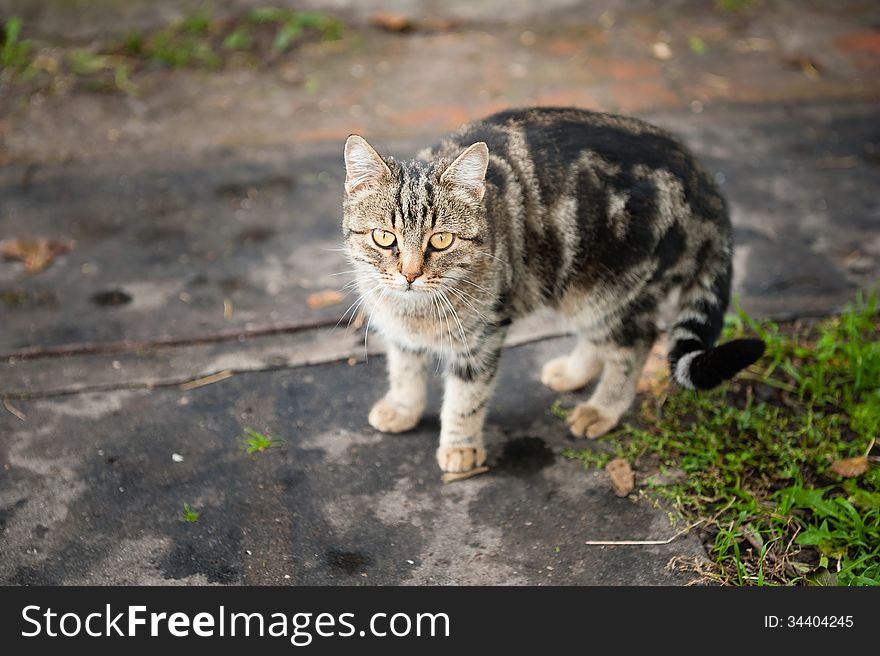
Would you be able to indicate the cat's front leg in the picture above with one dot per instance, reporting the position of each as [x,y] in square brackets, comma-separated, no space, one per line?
[469,385]
[402,406]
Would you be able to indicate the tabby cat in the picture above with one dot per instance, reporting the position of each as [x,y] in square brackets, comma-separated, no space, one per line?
[602,217]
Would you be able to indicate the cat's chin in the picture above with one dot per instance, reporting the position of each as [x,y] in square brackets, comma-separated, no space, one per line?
[410,294]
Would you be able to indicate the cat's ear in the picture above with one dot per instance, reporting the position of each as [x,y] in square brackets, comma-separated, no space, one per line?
[364,168]
[468,171]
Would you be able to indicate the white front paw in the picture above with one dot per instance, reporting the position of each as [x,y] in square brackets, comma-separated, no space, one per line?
[460,458]
[388,419]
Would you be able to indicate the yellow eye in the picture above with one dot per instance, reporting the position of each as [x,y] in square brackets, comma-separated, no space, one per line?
[384,238]
[442,240]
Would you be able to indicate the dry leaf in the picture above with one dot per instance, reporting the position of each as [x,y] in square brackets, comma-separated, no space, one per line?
[324,298]
[655,376]
[391,22]
[36,252]
[851,467]
[402,23]
[622,476]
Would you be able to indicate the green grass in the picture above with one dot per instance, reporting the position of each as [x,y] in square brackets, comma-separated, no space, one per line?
[289,25]
[754,457]
[697,45]
[189,516]
[558,411]
[734,5]
[15,53]
[201,41]
[255,442]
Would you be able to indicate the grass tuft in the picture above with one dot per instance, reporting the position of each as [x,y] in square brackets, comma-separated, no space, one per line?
[189,516]
[15,52]
[757,453]
[255,442]
[558,411]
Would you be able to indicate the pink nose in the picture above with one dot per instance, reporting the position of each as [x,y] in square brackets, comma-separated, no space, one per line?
[411,276]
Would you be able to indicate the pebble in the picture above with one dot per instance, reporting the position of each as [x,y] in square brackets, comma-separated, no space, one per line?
[661,50]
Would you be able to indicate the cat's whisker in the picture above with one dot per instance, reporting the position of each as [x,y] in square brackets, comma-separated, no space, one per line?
[352,284]
[439,333]
[469,282]
[494,257]
[370,320]
[360,306]
[357,270]
[446,319]
[469,305]
[460,326]
[354,312]
[353,307]
[465,296]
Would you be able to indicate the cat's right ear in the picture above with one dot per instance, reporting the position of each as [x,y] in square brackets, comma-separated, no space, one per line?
[364,168]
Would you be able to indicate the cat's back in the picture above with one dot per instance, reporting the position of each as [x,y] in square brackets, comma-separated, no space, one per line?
[547,145]
[558,136]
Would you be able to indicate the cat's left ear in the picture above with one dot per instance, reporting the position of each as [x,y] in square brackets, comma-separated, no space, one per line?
[468,171]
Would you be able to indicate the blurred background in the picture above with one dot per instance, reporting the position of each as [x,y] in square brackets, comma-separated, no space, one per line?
[170,189]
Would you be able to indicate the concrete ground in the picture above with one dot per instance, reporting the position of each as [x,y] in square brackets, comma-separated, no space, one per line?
[205,210]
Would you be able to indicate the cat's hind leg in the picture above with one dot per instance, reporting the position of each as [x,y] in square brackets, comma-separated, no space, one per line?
[573,371]
[402,406]
[623,356]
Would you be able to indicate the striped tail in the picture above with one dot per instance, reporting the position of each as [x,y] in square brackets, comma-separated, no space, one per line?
[694,362]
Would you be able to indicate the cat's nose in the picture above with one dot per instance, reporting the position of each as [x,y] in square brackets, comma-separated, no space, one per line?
[411,276]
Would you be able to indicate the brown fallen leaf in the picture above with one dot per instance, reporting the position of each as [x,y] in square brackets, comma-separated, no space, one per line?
[37,253]
[655,375]
[401,23]
[851,467]
[324,298]
[622,476]
[391,21]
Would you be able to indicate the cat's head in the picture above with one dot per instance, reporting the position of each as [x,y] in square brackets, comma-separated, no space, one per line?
[413,226]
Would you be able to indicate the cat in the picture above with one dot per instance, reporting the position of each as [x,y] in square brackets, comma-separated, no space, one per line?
[601,217]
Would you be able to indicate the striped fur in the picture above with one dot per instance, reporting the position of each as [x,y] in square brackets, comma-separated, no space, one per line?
[601,217]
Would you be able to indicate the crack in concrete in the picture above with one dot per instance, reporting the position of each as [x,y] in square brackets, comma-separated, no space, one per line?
[133,346]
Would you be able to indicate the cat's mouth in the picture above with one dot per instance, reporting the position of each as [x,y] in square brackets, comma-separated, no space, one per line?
[417,286]
[410,292]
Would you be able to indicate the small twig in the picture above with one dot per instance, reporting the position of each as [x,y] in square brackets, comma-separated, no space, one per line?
[767,380]
[657,542]
[14,411]
[638,543]
[207,380]
[452,477]
[133,346]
